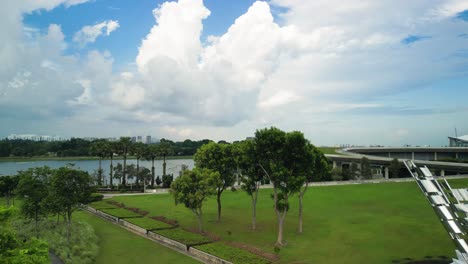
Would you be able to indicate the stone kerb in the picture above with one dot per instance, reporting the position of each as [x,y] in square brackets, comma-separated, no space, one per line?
[89,209]
[132,226]
[207,257]
[168,241]
[107,216]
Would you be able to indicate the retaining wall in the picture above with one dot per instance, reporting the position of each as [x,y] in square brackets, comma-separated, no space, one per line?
[134,227]
[167,241]
[208,258]
[107,216]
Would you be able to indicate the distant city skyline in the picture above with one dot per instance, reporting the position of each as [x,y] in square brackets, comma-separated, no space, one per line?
[358,72]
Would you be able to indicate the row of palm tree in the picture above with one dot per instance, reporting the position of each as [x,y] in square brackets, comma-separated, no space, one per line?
[124,147]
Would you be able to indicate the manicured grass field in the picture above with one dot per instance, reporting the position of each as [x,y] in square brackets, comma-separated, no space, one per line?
[148,223]
[369,223]
[119,246]
[328,150]
[184,237]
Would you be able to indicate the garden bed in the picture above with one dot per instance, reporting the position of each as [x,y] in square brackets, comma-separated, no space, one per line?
[233,254]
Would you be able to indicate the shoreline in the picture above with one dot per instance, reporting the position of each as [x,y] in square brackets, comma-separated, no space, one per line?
[28,159]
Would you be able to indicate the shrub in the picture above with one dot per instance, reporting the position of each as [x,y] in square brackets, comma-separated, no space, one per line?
[184,237]
[167,180]
[95,197]
[148,223]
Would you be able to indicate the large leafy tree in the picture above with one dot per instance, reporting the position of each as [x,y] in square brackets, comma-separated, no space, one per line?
[151,154]
[252,176]
[69,188]
[33,187]
[99,149]
[109,149]
[219,158]
[285,159]
[192,188]
[7,186]
[124,146]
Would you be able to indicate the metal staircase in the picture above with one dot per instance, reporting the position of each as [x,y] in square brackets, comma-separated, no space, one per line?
[448,204]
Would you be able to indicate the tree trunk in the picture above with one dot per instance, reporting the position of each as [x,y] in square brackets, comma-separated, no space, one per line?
[301,195]
[200,222]
[99,172]
[110,171]
[254,214]
[138,172]
[218,200]
[164,165]
[279,241]
[152,173]
[300,212]
[124,182]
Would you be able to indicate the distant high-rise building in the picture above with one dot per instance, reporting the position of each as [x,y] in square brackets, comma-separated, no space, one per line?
[148,140]
[139,139]
[35,137]
[134,139]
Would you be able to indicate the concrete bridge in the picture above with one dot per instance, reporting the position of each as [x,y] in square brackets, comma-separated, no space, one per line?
[381,157]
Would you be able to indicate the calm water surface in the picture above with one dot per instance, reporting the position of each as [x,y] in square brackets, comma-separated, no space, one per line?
[173,166]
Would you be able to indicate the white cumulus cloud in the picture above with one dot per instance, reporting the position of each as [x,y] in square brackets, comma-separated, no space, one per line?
[89,34]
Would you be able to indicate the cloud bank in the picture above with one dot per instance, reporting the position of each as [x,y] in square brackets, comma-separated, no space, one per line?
[316,57]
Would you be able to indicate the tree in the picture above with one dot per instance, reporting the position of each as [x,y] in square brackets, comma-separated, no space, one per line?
[219,158]
[139,151]
[394,168]
[164,149]
[318,168]
[366,172]
[109,150]
[144,175]
[284,158]
[167,180]
[158,180]
[151,154]
[7,186]
[354,171]
[99,149]
[192,189]
[124,147]
[33,187]
[252,176]
[337,174]
[69,188]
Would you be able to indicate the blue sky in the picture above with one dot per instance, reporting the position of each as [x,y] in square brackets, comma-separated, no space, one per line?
[387,72]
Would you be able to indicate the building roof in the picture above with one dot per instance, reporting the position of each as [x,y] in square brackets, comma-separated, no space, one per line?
[464,138]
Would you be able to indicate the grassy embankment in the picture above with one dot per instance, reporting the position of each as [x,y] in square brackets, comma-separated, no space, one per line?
[329,150]
[45,158]
[369,223]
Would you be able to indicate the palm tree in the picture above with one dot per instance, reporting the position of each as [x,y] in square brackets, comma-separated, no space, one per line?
[164,149]
[108,150]
[98,148]
[151,154]
[139,150]
[124,146]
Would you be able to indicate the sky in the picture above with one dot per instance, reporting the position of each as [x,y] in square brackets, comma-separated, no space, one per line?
[360,72]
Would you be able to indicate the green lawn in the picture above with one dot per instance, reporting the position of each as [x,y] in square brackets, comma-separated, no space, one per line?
[119,246]
[371,223]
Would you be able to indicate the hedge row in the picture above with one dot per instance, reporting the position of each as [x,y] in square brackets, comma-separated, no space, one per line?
[235,255]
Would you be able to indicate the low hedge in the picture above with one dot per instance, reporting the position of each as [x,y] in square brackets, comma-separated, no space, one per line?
[148,223]
[182,236]
[232,254]
[120,212]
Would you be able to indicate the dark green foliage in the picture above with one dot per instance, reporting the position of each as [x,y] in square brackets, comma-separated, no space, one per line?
[167,180]
[81,247]
[235,255]
[95,197]
[158,181]
[366,172]
[337,174]
[353,171]
[394,168]
[7,186]
[182,236]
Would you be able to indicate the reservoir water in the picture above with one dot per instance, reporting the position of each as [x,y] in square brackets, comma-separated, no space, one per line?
[172,166]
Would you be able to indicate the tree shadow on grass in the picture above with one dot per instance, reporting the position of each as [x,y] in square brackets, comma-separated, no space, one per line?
[426,260]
